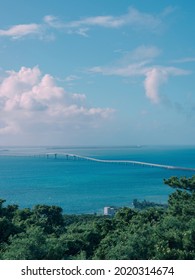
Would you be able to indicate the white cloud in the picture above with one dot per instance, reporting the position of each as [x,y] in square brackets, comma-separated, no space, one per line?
[157,76]
[154,75]
[133,18]
[29,97]
[133,63]
[21,30]
[133,69]
[50,20]
[144,53]
[72,78]
[154,78]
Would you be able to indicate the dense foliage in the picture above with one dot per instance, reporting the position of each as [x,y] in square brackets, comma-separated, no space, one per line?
[150,232]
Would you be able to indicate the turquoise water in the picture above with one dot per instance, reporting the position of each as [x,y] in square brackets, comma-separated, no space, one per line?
[28,177]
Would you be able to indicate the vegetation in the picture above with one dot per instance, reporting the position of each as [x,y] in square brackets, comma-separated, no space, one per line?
[150,232]
[146,204]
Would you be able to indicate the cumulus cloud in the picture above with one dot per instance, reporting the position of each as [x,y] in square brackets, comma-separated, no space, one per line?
[29,97]
[154,78]
[157,76]
[138,63]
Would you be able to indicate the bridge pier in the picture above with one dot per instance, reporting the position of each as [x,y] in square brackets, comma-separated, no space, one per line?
[125,162]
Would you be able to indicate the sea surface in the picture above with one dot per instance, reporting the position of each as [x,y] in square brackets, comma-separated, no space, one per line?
[44,175]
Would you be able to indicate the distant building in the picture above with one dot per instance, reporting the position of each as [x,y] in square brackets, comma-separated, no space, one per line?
[109,211]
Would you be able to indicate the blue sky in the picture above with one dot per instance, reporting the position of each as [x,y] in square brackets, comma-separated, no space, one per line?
[96,72]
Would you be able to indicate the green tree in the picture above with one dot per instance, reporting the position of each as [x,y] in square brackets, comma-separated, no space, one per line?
[49,217]
[183,183]
[7,228]
[28,245]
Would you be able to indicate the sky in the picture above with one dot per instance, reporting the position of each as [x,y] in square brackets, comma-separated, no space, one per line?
[96,72]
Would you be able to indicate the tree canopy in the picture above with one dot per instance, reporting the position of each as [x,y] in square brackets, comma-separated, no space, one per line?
[150,231]
[181,183]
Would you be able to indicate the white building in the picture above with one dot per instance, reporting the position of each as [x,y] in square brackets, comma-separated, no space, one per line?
[109,211]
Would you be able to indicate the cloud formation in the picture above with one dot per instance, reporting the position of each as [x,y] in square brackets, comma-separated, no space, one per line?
[133,18]
[134,64]
[28,97]
[21,30]
[154,78]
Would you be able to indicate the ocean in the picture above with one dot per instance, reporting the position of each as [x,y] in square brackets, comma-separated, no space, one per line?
[35,175]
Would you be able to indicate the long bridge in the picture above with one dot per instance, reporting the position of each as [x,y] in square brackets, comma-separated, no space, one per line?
[132,162]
